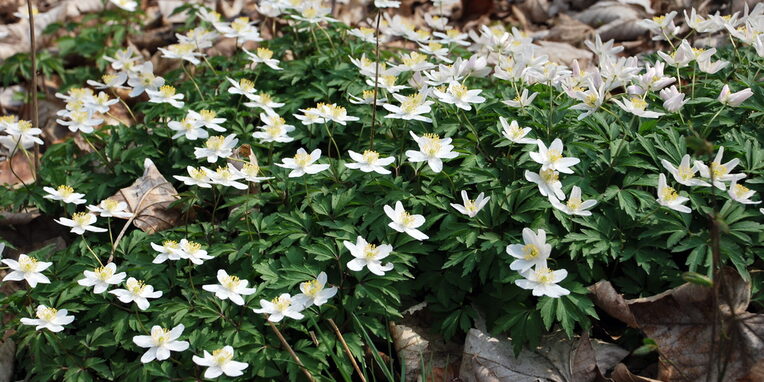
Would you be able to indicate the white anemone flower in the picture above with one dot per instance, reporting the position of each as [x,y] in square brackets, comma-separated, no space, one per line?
[303,163]
[127,5]
[668,197]
[161,342]
[189,128]
[314,292]
[81,222]
[65,194]
[274,129]
[229,287]
[685,173]
[726,97]
[522,99]
[432,149]
[369,161]
[265,56]
[514,133]
[226,177]
[80,120]
[110,81]
[217,147]
[722,172]
[280,307]
[193,251]
[264,101]
[458,95]
[49,318]
[27,268]
[182,51]
[471,207]
[387,3]
[165,94]
[220,362]
[637,106]
[411,108]
[543,282]
[197,176]
[250,171]
[404,222]
[208,119]
[551,158]
[673,100]
[548,182]
[244,87]
[369,256]
[144,79]
[138,292]
[740,193]
[101,277]
[575,205]
[169,250]
[111,208]
[533,253]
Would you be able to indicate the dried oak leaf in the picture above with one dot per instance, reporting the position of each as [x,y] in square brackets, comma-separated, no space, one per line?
[149,199]
[557,359]
[681,322]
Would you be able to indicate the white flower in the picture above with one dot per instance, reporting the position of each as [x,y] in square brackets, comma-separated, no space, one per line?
[338,114]
[412,107]
[244,87]
[314,292]
[161,342]
[402,221]
[220,362]
[471,207]
[81,222]
[110,81]
[684,174]
[636,105]
[552,158]
[364,33]
[280,307]
[458,94]
[368,255]
[216,147]
[514,133]
[673,100]
[668,197]
[100,278]
[414,61]
[229,287]
[432,149]
[740,193]
[274,129]
[249,172]
[182,51]
[591,99]
[734,99]
[197,177]
[137,292]
[208,119]
[310,116]
[165,94]
[265,56]
[242,29]
[226,177]
[721,172]
[369,161]
[128,5]
[49,318]
[543,282]
[303,163]
[575,205]
[169,250]
[387,3]
[436,49]
[193,251]
[548,182]
[522,99]
[533,253]
[111,208]
[65,194]
[707,66]
[80,120]
[367,98]
[27,268]
[144,79]
[265,102]
[123,59]
[190,128]
[386,81]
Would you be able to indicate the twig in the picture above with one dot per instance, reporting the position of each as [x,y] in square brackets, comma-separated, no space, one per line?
[376,83]
[347,349]
[35,113]
[291,352]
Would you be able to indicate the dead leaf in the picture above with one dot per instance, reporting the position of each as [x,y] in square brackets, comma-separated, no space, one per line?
[564,53]
[680,321]
[569,30]
[17,171]
[605,296]
[149,198]
[557,359]
[537,11]
[621,373]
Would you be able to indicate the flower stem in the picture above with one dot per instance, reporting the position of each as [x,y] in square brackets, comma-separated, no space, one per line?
[376,83]
[36,112]
[191,77]
[291,351]
[347,349]
[91,251]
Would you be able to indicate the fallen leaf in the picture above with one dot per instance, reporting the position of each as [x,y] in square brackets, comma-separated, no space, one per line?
[17,171]
[564,53]
[681,322]
[621,373]
[149,198]
[557,359]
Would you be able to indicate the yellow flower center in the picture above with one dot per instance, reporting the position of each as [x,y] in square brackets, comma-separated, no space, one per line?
[370,251]
[718,170]
[266,99]
[81,218]
[183,48]
[549,175]
[47,314]
[530,252]
[458,90]
[406,219]
[273,130]
[554,155]
[107,78]
[432,144]
[368,94]
[389,79]
[740,190]
[161,337]
[170,244]
[310,13]
[312,287]
[591,100]
[470,205]
[452,33]
[197,174]
[65,190]
[574,204]
[250,169]
[685,172]
[282,304]
[370,156]
[638,103]
[230,282]
[659,19]
[433,46]
[28,264]
[135,286]
[302,159]
[110,204]
[366,30]
[167,91]
[413,59]
[207,115]
[240,24]
[221,356]
[187,124]
[544,276]
[193,247]
[103,273]
[669,194]
[264,53]
[215,143]
[246,85]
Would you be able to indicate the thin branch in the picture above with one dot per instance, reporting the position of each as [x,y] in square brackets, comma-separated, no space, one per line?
[291,352]
[35,112]
[347,349]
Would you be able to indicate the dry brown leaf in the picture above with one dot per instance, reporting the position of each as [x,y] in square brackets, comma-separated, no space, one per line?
[604,12]
[149,198]
[557,359]
[606,297]
[569,30]
[536,11]
[21,171]
[564,53]
[680,321]
[621,373]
